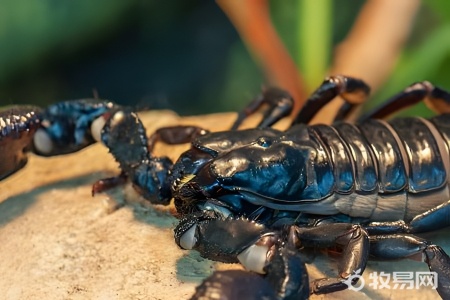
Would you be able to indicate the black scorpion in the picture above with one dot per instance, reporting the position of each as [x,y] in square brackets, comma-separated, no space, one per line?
[261,196]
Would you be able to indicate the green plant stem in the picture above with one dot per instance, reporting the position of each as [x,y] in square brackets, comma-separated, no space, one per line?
[314,39]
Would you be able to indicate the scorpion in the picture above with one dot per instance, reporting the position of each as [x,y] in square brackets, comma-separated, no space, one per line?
[262,197]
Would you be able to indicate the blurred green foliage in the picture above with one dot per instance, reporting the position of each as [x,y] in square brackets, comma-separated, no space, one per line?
[183,55]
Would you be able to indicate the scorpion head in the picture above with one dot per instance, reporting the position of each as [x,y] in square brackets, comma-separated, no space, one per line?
[267,170]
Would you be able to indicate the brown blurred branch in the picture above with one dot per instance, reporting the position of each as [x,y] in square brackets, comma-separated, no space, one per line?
[252,20]
[371,49]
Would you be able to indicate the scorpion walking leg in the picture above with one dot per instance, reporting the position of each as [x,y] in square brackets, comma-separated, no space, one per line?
[355,243]
[108,183]
[343,112]
[397,246]
[435,98]
[353,91]
[431,220]
[175,135]
[280,105]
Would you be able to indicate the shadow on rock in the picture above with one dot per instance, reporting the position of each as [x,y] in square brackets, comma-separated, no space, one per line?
[17,205]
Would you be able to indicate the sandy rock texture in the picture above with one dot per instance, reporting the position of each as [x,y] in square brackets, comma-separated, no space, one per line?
[59,242]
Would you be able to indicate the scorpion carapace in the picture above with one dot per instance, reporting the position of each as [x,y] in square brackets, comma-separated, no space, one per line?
[260,196]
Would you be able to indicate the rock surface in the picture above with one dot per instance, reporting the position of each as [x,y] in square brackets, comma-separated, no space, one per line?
[59,242]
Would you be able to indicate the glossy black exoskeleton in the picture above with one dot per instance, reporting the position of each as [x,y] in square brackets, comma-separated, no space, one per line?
[261,196]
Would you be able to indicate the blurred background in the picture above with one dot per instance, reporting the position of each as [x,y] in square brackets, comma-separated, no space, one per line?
[185,55]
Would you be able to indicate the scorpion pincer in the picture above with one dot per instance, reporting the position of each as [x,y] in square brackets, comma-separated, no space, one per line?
[61,128]
[262,196]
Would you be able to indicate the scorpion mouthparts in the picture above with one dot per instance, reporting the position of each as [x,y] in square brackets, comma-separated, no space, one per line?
[178,183]
[191,190]
[197,186]
[185,179]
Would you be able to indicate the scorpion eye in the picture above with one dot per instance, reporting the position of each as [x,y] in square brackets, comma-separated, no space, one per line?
[189,238]
[264,142]
[96,128]
[224,145]
[42,141]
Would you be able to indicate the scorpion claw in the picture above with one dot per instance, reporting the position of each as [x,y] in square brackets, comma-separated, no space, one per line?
[126,139]
[108,183]
[259,250]
[205,232]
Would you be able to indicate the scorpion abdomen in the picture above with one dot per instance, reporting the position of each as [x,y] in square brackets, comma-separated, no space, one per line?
[393,166]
